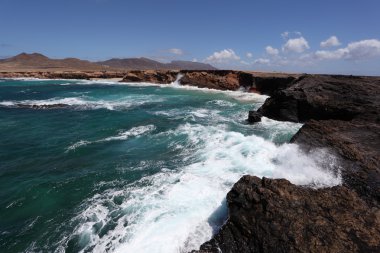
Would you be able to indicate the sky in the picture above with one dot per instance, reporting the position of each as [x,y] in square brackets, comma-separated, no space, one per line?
[313,36]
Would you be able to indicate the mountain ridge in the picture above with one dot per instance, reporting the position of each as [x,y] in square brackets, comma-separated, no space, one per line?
[37,61]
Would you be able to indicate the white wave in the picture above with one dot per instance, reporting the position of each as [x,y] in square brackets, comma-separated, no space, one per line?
[222,103]
[78,144]
[193,114]
[85,103]
[175,211]
[277,127]
[135,131]
[238,94]
[123,135]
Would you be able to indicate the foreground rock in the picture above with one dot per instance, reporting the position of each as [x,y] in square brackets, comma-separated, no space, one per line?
[267,215]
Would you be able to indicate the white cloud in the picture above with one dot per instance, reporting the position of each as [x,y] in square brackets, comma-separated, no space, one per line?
[330,55]
[359,50]
[249,55]
[285,35]
[297,45]
[261,61]
[176,51]
[223,56]
[271,51]
[194,60]
[330,42]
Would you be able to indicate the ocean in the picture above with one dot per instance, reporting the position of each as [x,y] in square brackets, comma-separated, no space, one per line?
[97,166]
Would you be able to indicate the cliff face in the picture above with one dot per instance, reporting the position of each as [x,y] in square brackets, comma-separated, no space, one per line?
[264,83]
[267,215]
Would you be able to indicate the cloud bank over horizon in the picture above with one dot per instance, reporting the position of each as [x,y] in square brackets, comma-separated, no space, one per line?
[295,51]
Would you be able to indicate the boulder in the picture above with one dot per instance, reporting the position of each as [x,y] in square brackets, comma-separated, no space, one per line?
[254,116]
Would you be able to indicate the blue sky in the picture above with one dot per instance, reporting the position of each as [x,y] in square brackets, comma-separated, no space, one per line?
[335,36]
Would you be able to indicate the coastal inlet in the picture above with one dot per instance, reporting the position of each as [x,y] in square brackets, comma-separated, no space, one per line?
[95,166]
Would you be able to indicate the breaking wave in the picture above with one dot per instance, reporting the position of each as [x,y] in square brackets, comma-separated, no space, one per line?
[123,135]
[79,103]
[178,210]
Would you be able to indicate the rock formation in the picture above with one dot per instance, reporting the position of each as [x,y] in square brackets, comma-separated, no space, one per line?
[273,215]
[341,115]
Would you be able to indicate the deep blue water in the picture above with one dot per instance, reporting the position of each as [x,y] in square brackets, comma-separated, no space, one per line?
[93,167]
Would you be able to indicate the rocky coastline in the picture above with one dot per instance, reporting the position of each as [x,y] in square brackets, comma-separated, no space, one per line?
[340,114]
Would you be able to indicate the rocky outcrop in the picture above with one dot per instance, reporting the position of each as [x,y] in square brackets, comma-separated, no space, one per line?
[268,85]
[342,113]
[264,83]
[151,76]
[220,79]
[273,215]
[324,97]
[254,116]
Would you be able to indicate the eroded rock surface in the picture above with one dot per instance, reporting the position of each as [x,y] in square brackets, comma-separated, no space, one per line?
[273,215]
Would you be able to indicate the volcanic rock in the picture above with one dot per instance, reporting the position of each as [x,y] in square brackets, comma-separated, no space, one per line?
[254,116]
[273,215]
[324,97]
[356,144]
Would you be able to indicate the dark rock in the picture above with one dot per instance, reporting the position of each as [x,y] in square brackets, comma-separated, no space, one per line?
[254,116]
[269,85]
[341,114]
[273,215]
[355,143]
[326,97]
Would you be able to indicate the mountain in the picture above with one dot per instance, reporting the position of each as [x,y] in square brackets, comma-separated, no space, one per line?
[145,63]
[39,62]
[36,61]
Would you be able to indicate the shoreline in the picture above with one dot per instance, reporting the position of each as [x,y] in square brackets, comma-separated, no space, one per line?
[332,118]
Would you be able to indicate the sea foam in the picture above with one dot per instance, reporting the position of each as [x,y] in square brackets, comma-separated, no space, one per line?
[178,210]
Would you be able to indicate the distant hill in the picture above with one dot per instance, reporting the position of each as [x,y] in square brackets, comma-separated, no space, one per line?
[39,62]
[35,61]
[145,63]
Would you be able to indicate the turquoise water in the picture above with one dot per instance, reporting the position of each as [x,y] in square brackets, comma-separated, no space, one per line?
[99,166]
